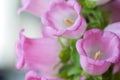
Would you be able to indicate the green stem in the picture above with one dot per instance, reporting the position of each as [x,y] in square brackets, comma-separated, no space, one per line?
[59,40]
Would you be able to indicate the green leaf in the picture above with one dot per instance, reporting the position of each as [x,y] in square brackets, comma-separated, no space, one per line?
[64,55]
[63,72]
[96,18]
[74,71]
[88,3]
[76,78]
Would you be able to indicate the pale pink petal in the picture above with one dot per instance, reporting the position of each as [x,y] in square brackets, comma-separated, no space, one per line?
[94,41]
[36,7]
[56,17]
[20,53]
[116,67]
[41,54]
[32,75]
[114,27]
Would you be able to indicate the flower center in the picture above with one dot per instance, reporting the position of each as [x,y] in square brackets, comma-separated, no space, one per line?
[68,22]
[97,55]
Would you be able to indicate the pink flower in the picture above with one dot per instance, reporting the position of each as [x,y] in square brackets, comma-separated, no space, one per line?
[38,54]
[116,67]
[64,19]
[36,7]
[97,51]
[32,75]
[82,78]
[115,28]
[114,8]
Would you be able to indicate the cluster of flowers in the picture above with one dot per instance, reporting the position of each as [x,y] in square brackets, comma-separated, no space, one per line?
[98,49]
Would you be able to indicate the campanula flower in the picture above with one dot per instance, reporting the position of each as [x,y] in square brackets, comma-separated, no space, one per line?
[97,51]
[39,54]
[32,75]
[64,19]
[114,8]
[115,28]
[36,7]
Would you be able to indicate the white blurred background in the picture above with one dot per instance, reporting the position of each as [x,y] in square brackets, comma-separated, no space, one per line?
[10,25]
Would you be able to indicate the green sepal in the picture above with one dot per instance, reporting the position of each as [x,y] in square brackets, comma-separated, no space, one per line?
[64,55]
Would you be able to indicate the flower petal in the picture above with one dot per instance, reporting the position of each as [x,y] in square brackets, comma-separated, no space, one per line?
[41,54]
[36,7]
[92,68]
[20,52]
[115,28]
[31,75]
[64,17]
[107,43]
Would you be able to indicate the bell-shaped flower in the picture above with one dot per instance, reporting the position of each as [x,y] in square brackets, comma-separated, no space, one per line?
[32,75]
[115,28]
[97,51]
[64,19]
[36,7]
[114,8]
[39,54]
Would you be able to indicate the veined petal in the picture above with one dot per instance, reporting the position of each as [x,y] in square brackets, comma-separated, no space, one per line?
[20,52]
[36,7]
[115,28]
[98,50]
[64,17]
[116,67]
[92,67]
[41,54]
[59,12]
[32,75]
